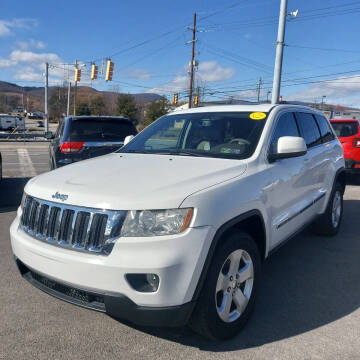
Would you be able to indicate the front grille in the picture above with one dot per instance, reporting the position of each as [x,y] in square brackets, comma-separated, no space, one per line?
[72,227]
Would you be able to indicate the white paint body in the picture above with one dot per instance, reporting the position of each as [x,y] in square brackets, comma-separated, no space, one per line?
[218,190]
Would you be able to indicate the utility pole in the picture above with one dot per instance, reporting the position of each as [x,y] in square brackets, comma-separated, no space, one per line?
[322,102]
[267,95]
[75,90]
[279,52]
[46,97]
[192,61]
[259,89]
[68,99]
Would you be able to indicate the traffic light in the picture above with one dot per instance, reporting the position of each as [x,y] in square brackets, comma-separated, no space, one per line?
[94,71]
[109,70]
[196,100]
[77,74]
[176,98]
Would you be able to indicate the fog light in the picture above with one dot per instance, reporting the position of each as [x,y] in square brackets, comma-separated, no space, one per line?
[143,282]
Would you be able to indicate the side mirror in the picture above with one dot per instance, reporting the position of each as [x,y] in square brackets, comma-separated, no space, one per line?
[288,147]
[49,135]
[128,139]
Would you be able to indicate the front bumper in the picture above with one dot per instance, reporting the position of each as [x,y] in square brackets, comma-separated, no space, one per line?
[177,260]
[350,166]
[117,306]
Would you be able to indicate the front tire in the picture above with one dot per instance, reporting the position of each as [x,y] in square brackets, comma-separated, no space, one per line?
[228,295]
[329,223]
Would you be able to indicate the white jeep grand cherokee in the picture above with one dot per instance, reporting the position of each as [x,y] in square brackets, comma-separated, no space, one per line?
[173,227]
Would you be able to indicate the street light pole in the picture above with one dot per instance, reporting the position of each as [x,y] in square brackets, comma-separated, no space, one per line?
[46,97]
[279,52]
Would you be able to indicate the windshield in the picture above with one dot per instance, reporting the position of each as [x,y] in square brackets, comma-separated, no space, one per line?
[101,129]
[217,134]
[345,128]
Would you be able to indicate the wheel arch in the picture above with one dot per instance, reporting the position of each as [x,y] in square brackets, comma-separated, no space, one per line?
[340,177]
[251,222]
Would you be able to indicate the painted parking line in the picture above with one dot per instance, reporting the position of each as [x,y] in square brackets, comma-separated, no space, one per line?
[26,165]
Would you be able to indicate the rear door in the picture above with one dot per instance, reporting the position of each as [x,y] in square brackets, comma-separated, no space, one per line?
[99,136]
[316,162]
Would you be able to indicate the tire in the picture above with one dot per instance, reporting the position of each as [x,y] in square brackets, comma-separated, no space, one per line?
[210,317]
[329,223]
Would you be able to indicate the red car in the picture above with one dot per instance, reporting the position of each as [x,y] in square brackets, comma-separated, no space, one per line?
[348,132]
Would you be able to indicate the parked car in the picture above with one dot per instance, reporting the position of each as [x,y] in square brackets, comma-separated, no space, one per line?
[174,227]
[10,122]
[83,137]
[0,167]
[348,132]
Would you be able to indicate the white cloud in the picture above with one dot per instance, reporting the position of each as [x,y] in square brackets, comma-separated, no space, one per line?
[30,66]
[30,44]
[208,71]
[211,71]
[4,63]
[28,73]
[140,74]
[7,26]
[344,90]
[19,56]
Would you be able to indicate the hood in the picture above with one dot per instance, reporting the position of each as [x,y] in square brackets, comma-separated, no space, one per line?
[121,181]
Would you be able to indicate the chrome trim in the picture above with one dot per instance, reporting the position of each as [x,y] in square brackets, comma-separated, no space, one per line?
[59,225]
[103,143]
[286,220]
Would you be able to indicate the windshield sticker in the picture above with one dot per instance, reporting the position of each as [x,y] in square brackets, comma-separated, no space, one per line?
[257,115]
[230,151]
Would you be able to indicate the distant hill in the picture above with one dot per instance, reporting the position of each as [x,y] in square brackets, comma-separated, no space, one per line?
[12,95]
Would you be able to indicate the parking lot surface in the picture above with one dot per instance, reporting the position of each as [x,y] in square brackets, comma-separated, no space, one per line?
[308,306]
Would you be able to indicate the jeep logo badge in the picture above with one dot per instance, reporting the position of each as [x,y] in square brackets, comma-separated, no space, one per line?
[59,196]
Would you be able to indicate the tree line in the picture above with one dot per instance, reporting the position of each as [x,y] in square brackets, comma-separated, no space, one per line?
[125,105]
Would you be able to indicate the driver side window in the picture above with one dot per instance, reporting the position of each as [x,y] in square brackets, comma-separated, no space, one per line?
[285,126]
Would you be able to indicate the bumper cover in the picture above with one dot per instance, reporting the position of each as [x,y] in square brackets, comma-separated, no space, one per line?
[117,306]
[349,166]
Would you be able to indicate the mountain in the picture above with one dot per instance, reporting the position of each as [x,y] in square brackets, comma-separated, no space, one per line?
[32,97]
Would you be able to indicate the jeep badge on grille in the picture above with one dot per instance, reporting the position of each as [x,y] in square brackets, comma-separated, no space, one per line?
[59,196]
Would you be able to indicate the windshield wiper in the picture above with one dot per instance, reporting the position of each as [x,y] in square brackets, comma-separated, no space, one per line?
[180,153]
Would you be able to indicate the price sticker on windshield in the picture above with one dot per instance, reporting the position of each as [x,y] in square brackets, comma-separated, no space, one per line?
[257,115]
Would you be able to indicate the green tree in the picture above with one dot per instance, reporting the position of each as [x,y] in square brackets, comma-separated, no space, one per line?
[57,103]
[126,106]
[83,109]
[157,109]
[97,105]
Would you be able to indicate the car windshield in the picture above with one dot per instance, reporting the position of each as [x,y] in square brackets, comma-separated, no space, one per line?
[101,129]
[345,128]
[217,134]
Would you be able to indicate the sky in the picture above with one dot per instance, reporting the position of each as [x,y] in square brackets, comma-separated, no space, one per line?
[149,44]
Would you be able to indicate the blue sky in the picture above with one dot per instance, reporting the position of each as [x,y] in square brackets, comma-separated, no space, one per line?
[146,40]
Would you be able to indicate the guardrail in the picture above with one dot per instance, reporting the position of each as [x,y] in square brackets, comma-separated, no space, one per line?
[22,136]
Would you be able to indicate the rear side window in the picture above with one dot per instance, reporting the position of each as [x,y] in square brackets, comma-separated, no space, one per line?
[308,129]
[285,126]
[345,128]
[100,130]
[325,130]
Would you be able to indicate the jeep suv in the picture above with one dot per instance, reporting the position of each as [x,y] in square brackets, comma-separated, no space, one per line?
[348,132]
[173,228]
[83,137]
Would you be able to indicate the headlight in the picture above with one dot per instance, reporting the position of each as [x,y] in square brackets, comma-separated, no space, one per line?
[156,222]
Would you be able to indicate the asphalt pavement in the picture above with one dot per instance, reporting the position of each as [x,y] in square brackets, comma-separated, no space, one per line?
[308,306]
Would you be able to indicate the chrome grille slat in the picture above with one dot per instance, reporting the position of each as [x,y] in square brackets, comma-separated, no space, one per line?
[76,228]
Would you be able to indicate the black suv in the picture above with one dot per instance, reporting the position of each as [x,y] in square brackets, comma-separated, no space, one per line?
[83,137]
